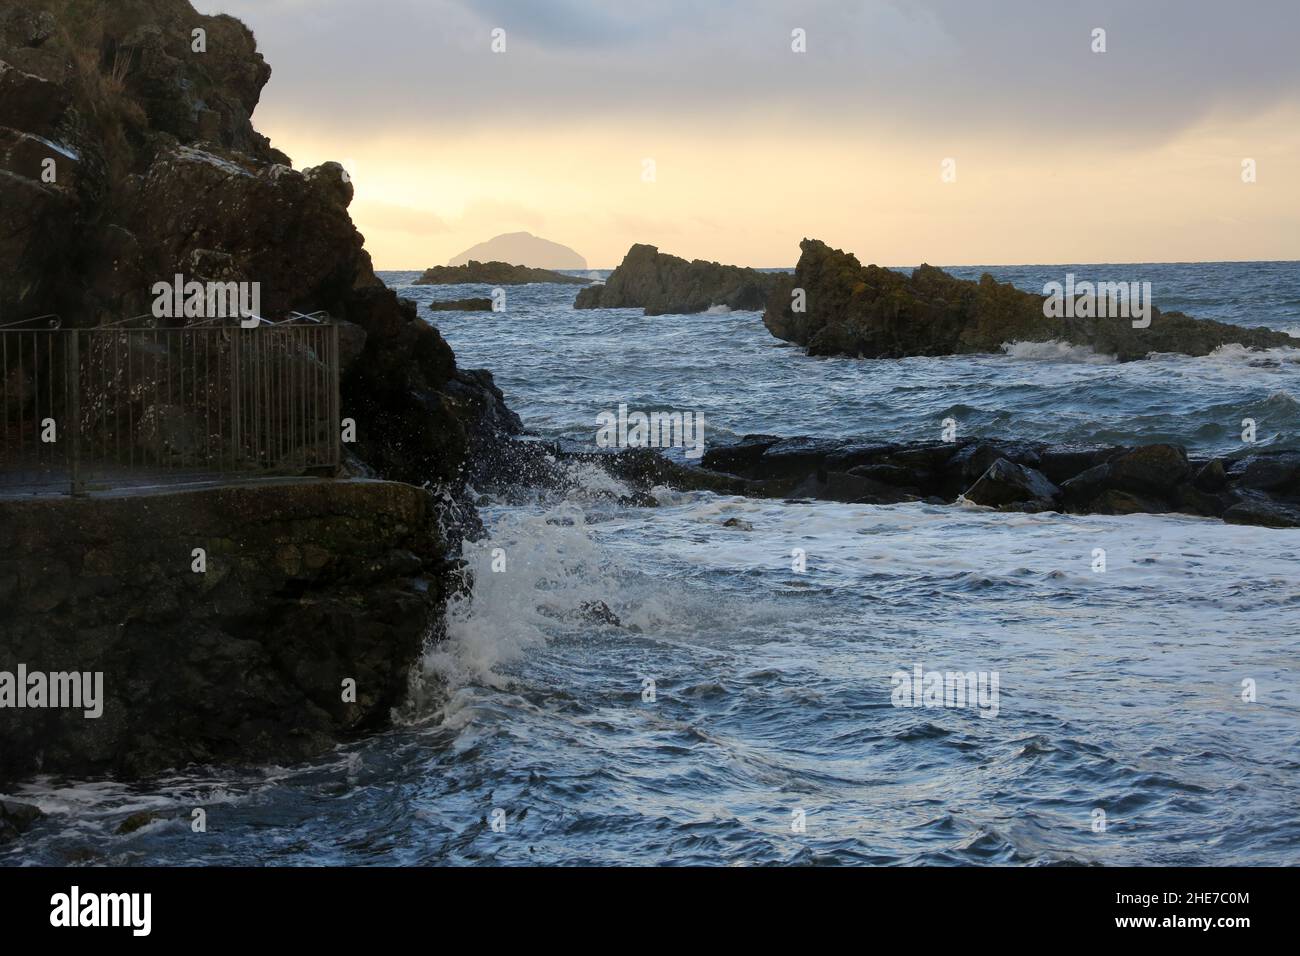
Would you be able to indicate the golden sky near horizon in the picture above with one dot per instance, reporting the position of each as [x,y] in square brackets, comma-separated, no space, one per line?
[1080,167]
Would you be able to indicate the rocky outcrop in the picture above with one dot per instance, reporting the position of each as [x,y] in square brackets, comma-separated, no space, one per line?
[128,156]
[305,586]
[461,305]
[16,818]
[833,305]
[522,249]
[667,285]
[1261,488]
[494,273]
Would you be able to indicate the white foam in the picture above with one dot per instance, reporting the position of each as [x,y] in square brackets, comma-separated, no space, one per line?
[1055,351]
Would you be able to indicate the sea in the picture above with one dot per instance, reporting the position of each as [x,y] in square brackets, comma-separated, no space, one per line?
[763,691]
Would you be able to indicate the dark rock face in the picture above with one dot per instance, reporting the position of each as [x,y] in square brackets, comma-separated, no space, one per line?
[307,584]
[461,305]
[1006,483]
[663,284]
[1261,488]
[157,171]
[871,312]
[494,273]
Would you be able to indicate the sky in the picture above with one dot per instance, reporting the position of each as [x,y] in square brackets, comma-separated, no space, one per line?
[943,131]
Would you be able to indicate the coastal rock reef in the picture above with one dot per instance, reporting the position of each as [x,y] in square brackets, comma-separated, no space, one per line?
[833,305]
[494,273]
[1253,487]
[668,285]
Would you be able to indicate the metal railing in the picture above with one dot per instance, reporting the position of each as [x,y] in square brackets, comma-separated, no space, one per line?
[120,404]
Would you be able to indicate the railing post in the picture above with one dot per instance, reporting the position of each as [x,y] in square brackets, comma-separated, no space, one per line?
[336,425]
[72,352]
[236,436]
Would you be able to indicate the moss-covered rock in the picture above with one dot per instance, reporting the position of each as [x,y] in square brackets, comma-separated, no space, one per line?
[663,285]
[833,305]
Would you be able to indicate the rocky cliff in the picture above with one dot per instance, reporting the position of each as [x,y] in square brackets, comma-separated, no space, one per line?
[667,285]
[873,312]
[128,155]
[242,657]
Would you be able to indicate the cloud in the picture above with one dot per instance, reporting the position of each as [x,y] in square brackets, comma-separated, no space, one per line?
[929,66]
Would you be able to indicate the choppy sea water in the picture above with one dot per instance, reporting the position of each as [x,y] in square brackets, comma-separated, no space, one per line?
[772,735]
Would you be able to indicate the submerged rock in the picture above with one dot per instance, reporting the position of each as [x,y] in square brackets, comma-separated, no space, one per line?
[461,305]
[137,821]
[494,273]
[663,285]
[598,612]
[16,818]
[833,305]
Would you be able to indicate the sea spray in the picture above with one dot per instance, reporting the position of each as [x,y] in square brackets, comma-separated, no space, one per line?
[536,566]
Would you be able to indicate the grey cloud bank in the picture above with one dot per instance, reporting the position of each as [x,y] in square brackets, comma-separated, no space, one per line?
[943,65]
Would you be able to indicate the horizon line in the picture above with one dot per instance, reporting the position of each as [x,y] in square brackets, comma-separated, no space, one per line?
[950,265]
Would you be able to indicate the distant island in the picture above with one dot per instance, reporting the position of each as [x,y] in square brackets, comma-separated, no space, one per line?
[495,273]
[522,249]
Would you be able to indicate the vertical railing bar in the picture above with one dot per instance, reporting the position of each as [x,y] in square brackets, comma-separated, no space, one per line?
[4,348]
[49,391]
[157,411]
[336,436]
[73,345]
[22,401]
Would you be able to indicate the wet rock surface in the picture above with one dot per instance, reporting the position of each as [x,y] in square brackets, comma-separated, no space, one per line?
[1250,487]
[833,305]
[306,585]
[662,284]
